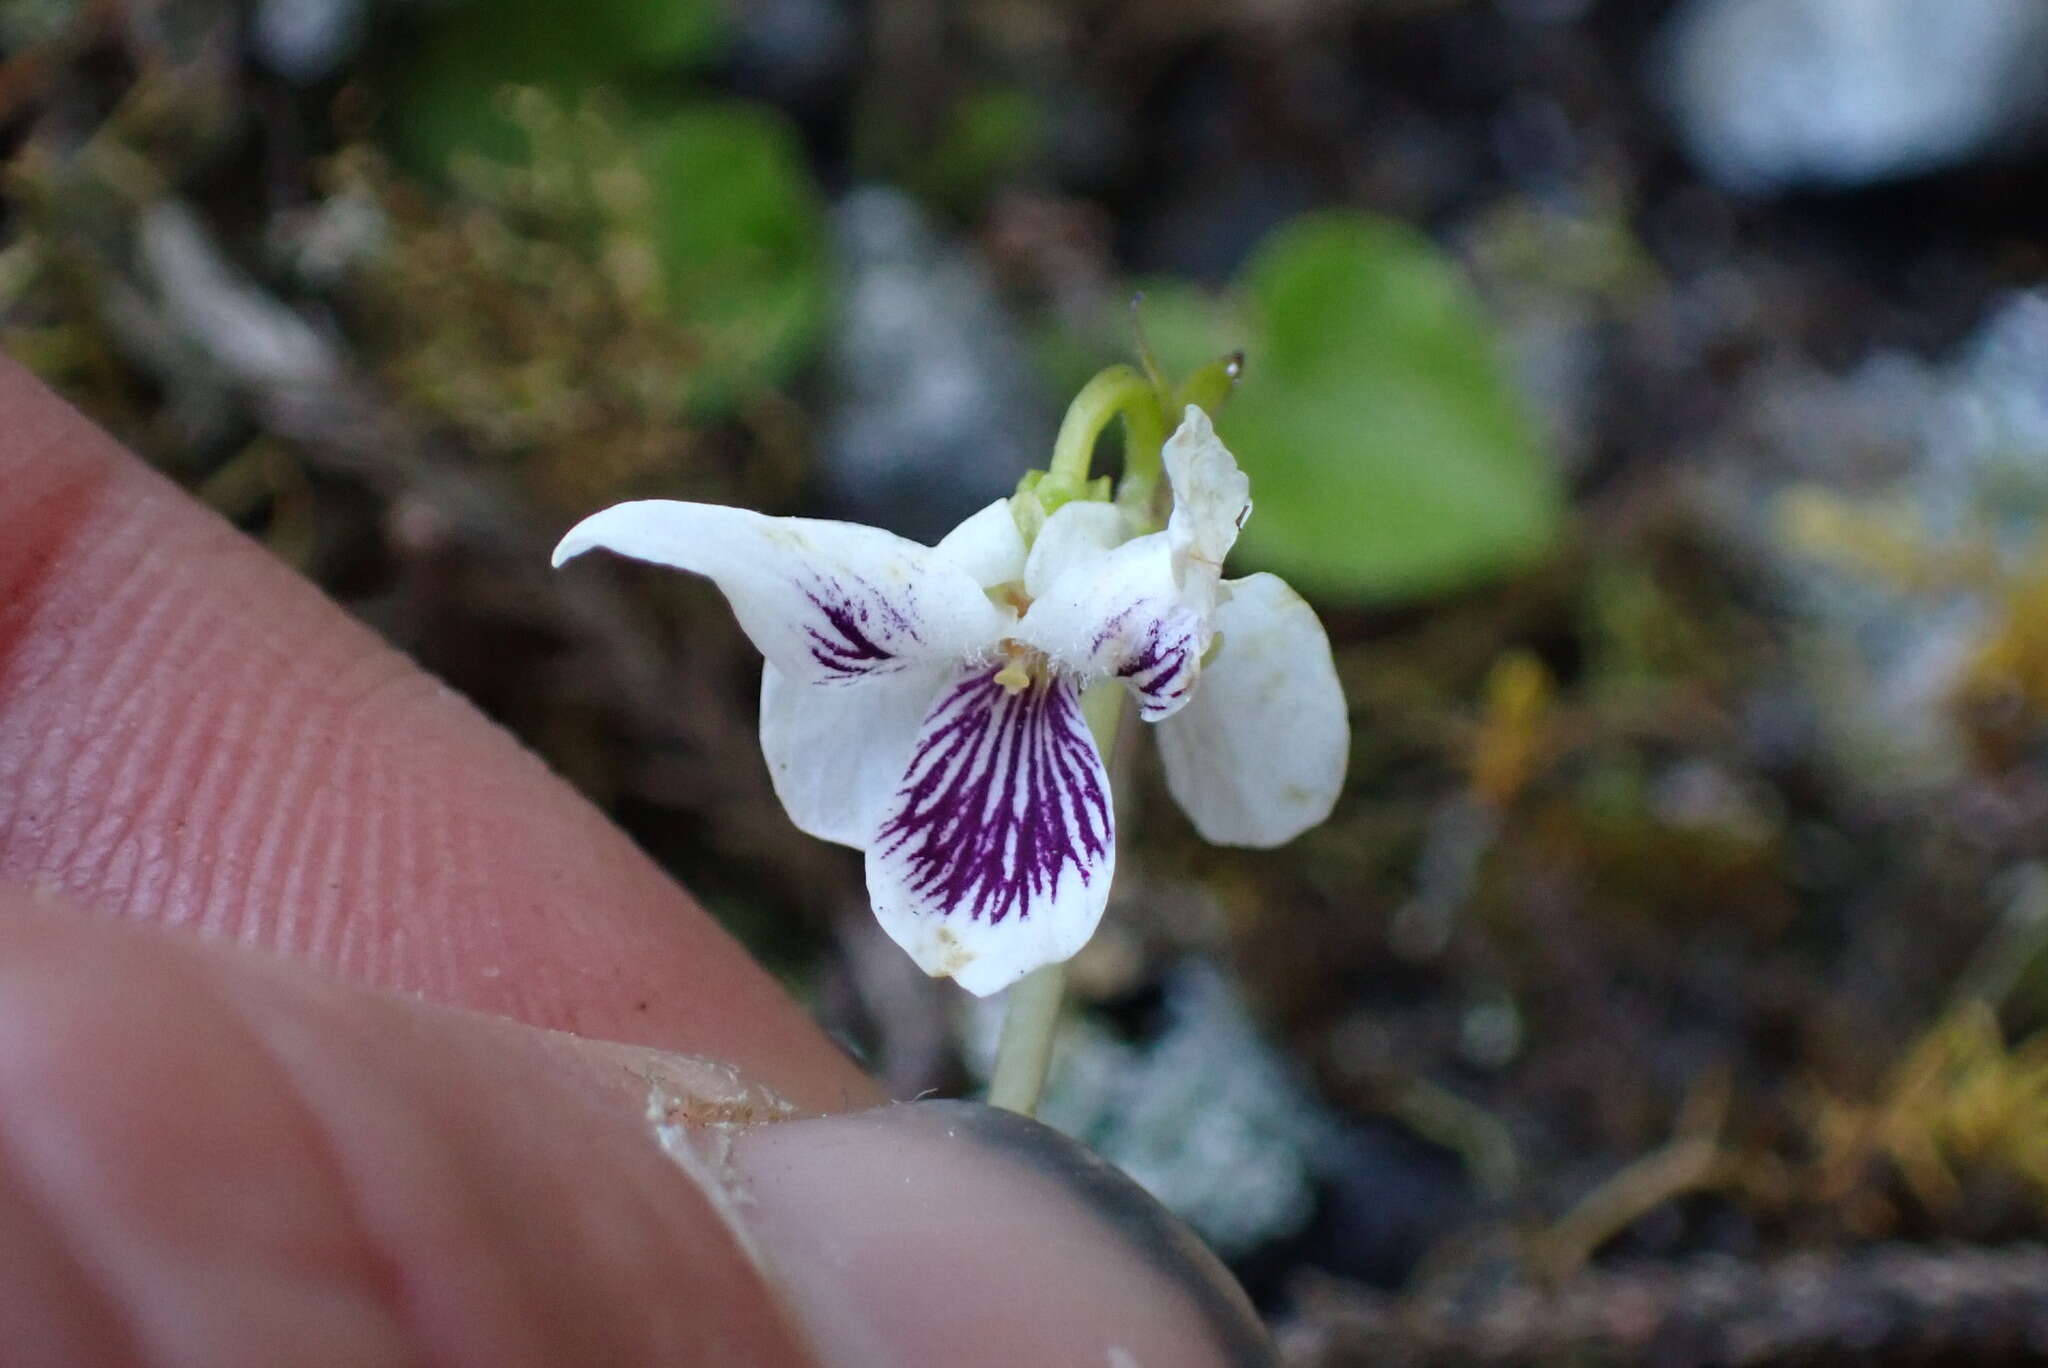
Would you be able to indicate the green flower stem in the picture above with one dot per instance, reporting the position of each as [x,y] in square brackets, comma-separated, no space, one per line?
[1024,1051]
[1122,392]
[1031,1016]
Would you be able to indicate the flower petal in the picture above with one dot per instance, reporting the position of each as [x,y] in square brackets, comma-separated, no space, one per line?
[825,602]
[995,854]
[1211,497]
[837,754]
[1123,615]
[1258,755]
[987,546]
[1077,535]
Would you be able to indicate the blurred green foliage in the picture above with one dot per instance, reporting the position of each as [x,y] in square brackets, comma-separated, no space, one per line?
[738,224]
[1389,455]
[985,138]
[24,22]
[741,236]
[445,96]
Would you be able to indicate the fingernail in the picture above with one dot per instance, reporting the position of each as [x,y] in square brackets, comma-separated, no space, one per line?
[949,1232]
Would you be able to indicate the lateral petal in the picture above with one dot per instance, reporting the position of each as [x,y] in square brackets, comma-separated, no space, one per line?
[825,602]
[995,853]
[1258,755]
[1123,615]
[836,754]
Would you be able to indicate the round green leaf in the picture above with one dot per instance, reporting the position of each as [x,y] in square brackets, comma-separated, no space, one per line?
[1389,455]
[445,90]
[742,242]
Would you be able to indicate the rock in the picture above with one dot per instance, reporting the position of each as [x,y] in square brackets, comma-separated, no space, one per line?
[1387,1197]
[797,53]
[1869,496]
[1212,1121]
[306,40]
[1203,1114]
[1771,94]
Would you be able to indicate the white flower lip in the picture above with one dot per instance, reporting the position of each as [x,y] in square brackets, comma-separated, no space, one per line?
[981,802]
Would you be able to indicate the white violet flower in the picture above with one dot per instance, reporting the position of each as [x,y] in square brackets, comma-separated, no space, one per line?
[923,703]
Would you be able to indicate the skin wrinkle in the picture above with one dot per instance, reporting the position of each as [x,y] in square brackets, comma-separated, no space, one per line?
[474,1211]
[388,1279]
[295,851]
[38,551]
[148,620]
[242,812]
[194,811]
[160,811]
[63,756]
[463,842]
[455,861]
[105,1336]
[123,746]
[203,846]
[174,824]
[130,1259]
[92,851]
[370,833]
[302,883]
[400,816]
[293,791]
[460,1216]
[330,820]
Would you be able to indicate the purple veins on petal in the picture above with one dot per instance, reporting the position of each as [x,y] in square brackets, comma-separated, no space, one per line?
[1159,670]
[844,643]
[1003,800]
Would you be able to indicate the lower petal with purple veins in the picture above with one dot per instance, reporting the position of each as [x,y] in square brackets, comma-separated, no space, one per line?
[995,855]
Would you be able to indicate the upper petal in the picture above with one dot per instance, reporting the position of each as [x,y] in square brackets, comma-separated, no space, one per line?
[1077,536]
[995,853]
[1125,615]
[1211,496]
[825,602]
[1258,755]
[836,755]
[987,546]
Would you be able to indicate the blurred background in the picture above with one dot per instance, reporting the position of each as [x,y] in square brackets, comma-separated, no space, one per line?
[1653,398]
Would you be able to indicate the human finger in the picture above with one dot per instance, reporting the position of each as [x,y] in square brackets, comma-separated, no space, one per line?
[191,735]
[213,1158]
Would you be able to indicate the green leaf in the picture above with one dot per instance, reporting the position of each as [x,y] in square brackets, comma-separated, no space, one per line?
[1389,455]
[742,242]
[1187,326]
[445,92]
[989,135]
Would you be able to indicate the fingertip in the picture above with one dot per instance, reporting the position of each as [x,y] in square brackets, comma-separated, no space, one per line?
[191,735]
[255,1165]
[248,1166]
[945,1232]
